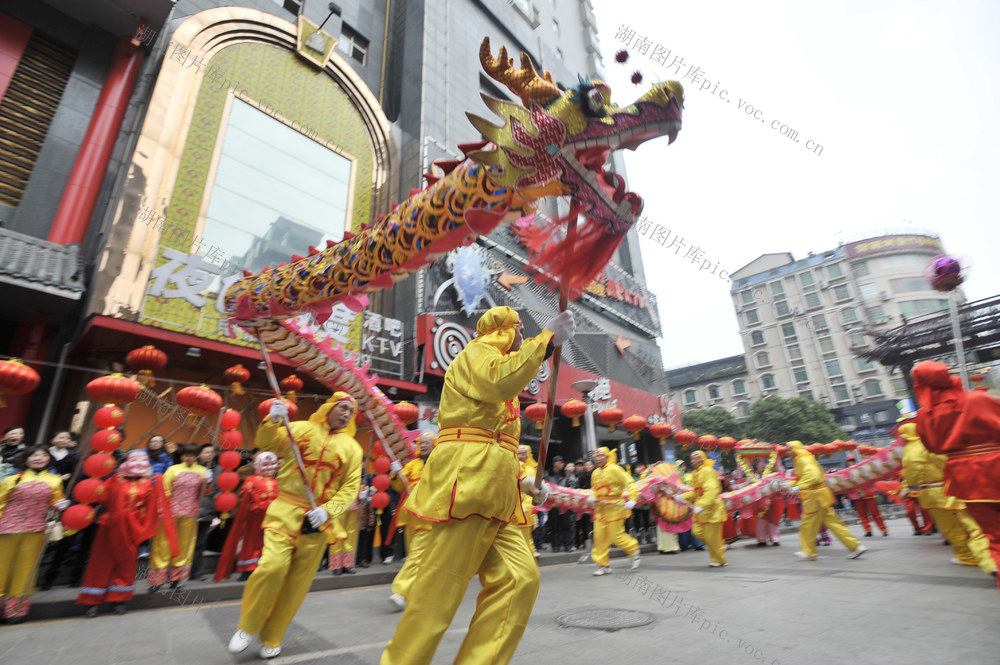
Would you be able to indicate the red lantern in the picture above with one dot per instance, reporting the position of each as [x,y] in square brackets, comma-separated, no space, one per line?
[227,481]
[782,450]
[726,443]
[610,417]
[380,500]
[381,482]
[78,517]
[536,413]
[109,416]
[377,450]
[231,440]
[574,409]
[230,460]
[831,448]
[236,376]
[225,502]
[407,412]
[146,359]
[707,441]
[850,445]
[230,419]
[105,441]
[113,389]
[634,424]
[816,449]
[661,431]
[99,465]
[200,400]
[291,385]
[381,464]
[16,378]
[265,407]
[88,490]
[685,437]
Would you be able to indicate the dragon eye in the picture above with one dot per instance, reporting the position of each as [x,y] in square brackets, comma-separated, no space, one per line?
[595,100]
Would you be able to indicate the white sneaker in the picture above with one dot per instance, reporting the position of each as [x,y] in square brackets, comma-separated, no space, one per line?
[602,571]
[239,642]
[807,557]
[387,560]
[270,652]
[536,554]
[716,565]
[635,561]
[398,602]
[857,551]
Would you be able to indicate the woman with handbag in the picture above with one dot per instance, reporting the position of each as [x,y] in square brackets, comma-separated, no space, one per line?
[25,500]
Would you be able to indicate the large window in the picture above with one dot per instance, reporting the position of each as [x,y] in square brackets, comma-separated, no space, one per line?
[868,291]
[743,410]
[849,315]
[834,270]
[826,345]
[873,388]
[806,279]
[751,317]
[767,381]
[762,359]
[757,337]
[812,300]
[690,397]
[801,375]
[746,296]
[911,308]
[713,392]
[840,394]
[841,293]
[861,269]
[777,288]
[781,308]
[819,322]
[794,352]
[909,284]
[352,44]
[788,330]
[739,387]
[833,368]
[864,365]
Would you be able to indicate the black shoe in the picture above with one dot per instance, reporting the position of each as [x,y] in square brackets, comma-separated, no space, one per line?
[154,588]
[338,571]
[868,534]
[700,548]
[775,544]
[175,584]
[244,576]
[918,532]
[348,571]
[761,544]
[885,533]
[119,609]
[91,611]
[13,620]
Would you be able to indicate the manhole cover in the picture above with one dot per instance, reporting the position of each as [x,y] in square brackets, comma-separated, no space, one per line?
[605,619]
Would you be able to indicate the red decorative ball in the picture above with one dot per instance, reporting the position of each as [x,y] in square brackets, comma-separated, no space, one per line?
[378,450]
[105,441]
[227,481]
[225,502]
[78,517]
[381,465]
[99,465]
[231,440]
[88,490]
[381,482]
[109,416]
[230,419]
[230,460]
[380,500]
[264,407]
[637,77]
[621,56]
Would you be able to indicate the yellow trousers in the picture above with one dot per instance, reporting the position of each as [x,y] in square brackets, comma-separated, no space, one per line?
[810,527]
[965,537]
[526,532]
[348,521]
[455,551]
[162,566]
[275,591]
[607,534]
[710,533]
[416,542]
[19,553]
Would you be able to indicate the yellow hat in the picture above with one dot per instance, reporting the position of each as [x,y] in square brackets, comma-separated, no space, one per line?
[324,410]
[497,328]
[798,449]
[611,454]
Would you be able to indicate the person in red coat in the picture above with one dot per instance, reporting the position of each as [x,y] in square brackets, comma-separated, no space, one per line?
[246,536]
[135,507]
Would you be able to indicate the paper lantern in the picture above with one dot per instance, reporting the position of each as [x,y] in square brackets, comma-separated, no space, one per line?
[113,389]
[78,517]
[850,445]
[610,417]
[230,419]
[725,443]
[816,449]
[407,412]
[661,431]
[230,460]
[536,413]
[574,409]
[89,490]
[225,502]
[99,465]
[291,385]
[381,464]
[377,449]
[104,441]
[831,448]
[146,359]
[227,481]
[231,440]
[381,482]
[236,376]
[380,500]
[200,400]
[685,437]
[707,442]
[634,424]
[265,407]
[16,378]
[109,416]
[945,273]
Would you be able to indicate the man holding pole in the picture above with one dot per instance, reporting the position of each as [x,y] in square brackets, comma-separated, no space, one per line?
[469,490]
[323,470]
[610,483]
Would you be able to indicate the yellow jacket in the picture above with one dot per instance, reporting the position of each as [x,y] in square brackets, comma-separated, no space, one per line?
[814,494]
[474,469]
[527,471]
[705,495]
[610,483]
[922,467]
[332,460]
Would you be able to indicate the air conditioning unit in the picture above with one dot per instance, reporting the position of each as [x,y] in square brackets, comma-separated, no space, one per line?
[824,284]
[797,310]
[886,296]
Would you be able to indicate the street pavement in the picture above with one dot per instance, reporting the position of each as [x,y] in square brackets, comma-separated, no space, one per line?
[901,602]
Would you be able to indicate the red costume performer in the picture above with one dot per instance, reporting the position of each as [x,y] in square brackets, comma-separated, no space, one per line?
[135,506]
[866,505]
[246,536]
[965,426]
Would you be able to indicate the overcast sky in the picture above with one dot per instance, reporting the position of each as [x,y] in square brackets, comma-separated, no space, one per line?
[903,97]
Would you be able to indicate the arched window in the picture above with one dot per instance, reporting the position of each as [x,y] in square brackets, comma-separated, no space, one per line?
[762,359]
[713,391]
[739,387]
[690,397]
[743,410]
[767,381]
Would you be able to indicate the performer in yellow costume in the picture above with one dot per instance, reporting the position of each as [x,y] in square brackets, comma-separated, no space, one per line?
[528,467]
[708,510]
[610,482]
[817,506]
[923,473]
[416,530]
[184,485]
[469,489]
[294,535]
